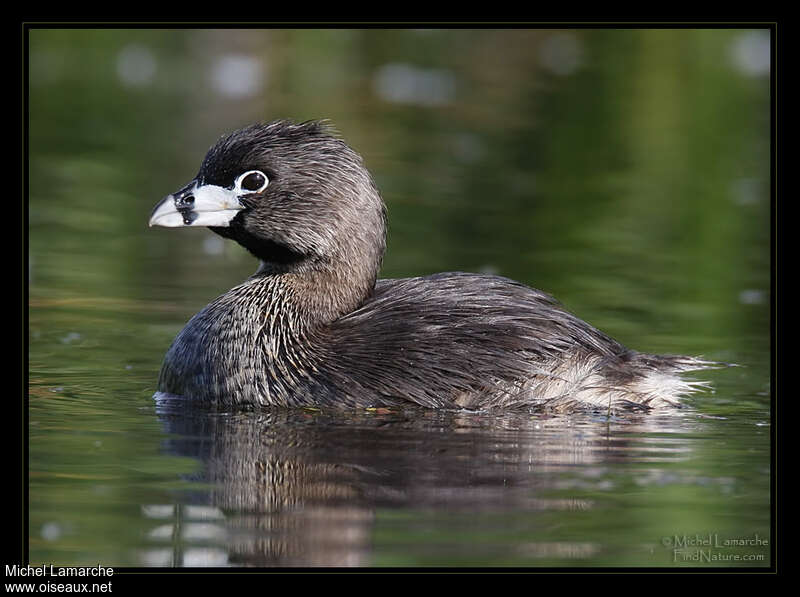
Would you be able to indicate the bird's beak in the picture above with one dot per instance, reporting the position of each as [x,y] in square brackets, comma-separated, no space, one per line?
[197,205]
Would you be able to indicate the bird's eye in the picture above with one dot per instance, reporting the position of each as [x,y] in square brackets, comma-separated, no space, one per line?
[252,181]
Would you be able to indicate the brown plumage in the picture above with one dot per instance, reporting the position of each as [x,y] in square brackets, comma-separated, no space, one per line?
[313,326]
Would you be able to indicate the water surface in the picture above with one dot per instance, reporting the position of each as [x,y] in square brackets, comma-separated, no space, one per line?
[624,171]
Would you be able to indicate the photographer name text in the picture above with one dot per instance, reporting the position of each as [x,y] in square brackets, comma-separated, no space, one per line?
[61,571]
[714,540]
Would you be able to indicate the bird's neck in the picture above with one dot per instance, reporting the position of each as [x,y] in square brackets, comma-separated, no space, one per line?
[314,296]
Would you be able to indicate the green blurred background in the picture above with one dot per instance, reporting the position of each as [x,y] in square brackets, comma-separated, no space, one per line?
[625,171]
[611,168]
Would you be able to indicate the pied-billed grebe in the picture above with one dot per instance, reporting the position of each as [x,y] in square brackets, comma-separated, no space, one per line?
[313,326]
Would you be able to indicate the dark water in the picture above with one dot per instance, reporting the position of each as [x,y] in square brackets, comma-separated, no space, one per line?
[624,171]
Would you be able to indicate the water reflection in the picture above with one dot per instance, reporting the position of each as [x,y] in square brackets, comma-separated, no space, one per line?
[309,488]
